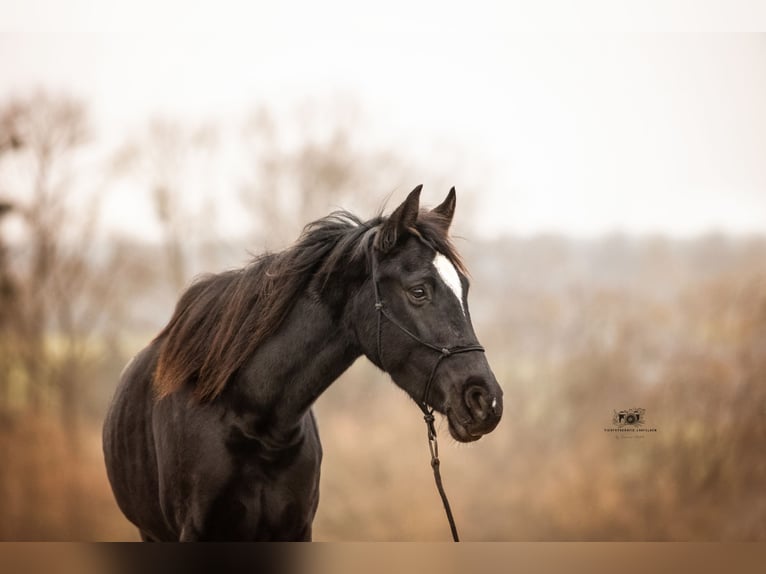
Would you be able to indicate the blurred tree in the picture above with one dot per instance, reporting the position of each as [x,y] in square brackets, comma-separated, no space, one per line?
[309,166]
[166,158]
[61,295]
[41,133]
[7,295]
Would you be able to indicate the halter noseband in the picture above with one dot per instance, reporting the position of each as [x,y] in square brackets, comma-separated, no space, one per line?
[428,411]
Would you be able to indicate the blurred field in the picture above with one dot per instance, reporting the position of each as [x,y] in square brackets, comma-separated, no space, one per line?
[571,340]
[574,329]
[570,348]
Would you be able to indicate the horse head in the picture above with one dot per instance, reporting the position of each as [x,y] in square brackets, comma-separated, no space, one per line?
[417,323]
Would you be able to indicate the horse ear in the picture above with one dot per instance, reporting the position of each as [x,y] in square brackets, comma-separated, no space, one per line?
[446,210]
[402,219]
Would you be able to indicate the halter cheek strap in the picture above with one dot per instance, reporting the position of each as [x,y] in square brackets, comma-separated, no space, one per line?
[428,411]
[443,352]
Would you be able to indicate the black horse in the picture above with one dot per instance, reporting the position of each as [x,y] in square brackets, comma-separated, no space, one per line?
[211,435]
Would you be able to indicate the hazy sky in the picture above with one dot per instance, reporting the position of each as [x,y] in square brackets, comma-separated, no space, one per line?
[567,128]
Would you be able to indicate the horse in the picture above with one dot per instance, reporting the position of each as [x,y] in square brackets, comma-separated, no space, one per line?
[211,435]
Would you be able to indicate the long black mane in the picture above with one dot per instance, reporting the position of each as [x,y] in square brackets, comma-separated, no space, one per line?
[222,319]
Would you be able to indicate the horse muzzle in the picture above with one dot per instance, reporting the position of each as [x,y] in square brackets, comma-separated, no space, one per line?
[479,413]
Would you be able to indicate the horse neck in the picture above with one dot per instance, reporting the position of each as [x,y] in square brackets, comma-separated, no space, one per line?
[311,349]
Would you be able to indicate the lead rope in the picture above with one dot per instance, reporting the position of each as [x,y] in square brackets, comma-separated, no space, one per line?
[428,412]
[433,446]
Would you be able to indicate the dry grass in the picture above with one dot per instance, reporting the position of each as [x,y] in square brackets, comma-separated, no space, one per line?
[694,358]
[52,491]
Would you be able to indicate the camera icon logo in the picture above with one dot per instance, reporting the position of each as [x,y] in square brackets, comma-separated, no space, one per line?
[629,417]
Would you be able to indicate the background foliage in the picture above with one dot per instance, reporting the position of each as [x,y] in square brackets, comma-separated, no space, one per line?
[574,329]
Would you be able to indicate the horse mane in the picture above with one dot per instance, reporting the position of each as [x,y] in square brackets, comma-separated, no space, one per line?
[222,319]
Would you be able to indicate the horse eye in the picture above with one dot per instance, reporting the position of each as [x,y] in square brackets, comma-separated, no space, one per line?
[418,293]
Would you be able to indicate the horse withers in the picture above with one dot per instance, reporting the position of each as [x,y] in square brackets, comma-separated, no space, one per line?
[211,435]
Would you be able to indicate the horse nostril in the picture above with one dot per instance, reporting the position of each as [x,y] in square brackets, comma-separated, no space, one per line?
[478,402]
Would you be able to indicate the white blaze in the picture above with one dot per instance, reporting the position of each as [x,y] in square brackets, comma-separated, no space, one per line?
[449,275]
